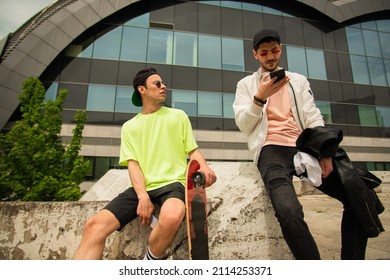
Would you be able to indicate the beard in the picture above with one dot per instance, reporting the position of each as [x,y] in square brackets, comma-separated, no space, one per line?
[270,65]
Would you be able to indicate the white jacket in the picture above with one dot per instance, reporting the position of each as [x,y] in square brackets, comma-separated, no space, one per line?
[252,120]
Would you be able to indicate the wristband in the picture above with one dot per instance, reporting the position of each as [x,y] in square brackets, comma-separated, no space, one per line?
[258,103]
[260,100]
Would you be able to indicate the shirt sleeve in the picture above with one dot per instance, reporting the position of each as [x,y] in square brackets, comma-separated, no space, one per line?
[127,149]
[188,135]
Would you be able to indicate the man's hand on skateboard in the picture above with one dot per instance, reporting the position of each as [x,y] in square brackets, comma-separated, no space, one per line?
[211,178]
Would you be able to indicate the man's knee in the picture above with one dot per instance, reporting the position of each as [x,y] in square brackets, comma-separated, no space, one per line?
[103,222]
[173,215]
[275,175]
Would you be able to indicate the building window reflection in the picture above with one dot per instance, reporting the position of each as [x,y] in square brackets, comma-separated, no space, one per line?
[367,115]
[186,101]
[228,100]
[209,52]
[185,49]
[316,64]
[360,69]
[296,60]
[385,43]
[51,92]
[377,71]
[160,46]
[108,45]
[325,110]
[368,46]
[123,102]
[134,44]
[232,54]
[140,21]
[383,116]
[371,43]
[209,104]
[101,98]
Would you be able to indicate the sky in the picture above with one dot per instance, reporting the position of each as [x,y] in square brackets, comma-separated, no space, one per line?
[13,13]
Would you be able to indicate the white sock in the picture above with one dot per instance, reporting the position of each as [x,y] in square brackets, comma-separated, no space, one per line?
[150,256]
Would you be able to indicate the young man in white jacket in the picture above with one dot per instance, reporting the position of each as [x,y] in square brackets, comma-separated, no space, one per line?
[273,114]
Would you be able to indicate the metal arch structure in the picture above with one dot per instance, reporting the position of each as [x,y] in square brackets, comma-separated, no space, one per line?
[30,50]
[342,11]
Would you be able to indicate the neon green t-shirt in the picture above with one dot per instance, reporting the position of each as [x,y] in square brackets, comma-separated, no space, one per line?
[159,142]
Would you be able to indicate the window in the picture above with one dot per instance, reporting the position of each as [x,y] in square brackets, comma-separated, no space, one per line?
[316,64]
[209,104]
[231,4]
[87,52]
[377,71]
[267,10]
[108,45]
[355,41]
[359,69]
[308,62]
[252,7]
[371,43]
[51,93]
[383,116]
[367,115]
[384,39]
[185,100]
[123,100]
[209,52]
[325,110]
[216,3]
[140,21]
[383,25]
[185,49]
[228,100]
[76,50]
[160,46]
[232,54]
[134,44]
[370,25]
[387,70]
[296,60]
[101,98]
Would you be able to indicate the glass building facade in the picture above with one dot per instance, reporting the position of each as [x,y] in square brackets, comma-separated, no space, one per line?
[202,49]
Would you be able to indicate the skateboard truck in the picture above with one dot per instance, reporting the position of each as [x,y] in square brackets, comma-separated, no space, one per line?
[199,178]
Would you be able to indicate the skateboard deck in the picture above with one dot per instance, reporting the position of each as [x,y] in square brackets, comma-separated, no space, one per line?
[196,213]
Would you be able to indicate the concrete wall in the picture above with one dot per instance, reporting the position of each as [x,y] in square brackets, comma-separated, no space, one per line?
[241,221]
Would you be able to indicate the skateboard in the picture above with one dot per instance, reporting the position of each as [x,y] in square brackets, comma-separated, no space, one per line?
[196,213]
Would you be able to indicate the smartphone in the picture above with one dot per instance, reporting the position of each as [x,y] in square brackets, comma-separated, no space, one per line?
[153,221]
[280,74]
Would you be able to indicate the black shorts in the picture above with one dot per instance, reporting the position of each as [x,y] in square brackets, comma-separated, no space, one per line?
[124,206]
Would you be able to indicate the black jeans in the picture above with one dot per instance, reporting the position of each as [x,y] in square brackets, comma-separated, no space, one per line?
[276,167]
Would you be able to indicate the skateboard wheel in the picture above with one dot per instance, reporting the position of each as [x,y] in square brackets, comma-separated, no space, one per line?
[199,178]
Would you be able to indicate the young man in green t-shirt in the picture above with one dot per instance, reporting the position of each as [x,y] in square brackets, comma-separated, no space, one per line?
[154,147]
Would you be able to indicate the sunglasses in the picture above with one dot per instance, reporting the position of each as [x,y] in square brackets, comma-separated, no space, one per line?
[159,84]
[274,52]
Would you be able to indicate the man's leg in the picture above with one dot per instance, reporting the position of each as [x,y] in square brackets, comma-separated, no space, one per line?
[276,167]
[96,230]
[353,238]
[171,216]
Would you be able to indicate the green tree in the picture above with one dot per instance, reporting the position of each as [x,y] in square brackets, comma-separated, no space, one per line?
[34,164]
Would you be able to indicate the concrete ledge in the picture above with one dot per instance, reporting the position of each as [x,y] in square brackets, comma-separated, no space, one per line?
[241,221]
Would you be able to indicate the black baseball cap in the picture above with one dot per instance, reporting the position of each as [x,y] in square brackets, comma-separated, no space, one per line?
[264,36]
[138,80]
